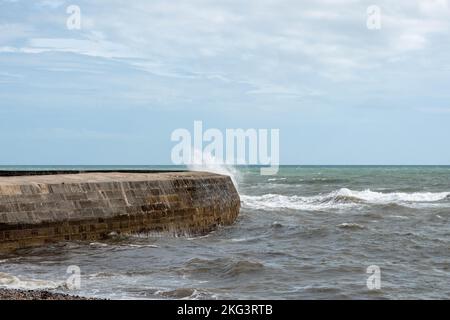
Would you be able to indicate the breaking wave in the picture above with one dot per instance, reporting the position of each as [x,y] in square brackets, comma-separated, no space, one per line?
[12,282]
[395,197]
[185,294]
[350,225]
[342,198]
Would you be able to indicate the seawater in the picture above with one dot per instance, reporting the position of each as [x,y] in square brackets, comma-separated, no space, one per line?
[309,232]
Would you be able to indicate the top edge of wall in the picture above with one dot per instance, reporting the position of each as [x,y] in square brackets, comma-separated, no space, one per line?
[19,173]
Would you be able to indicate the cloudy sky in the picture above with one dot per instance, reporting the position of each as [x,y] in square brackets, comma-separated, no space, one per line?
[112,91]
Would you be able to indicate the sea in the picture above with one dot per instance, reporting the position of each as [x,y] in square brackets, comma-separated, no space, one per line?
[309,232]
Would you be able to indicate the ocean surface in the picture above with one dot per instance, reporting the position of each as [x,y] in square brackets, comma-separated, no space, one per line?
[306,233]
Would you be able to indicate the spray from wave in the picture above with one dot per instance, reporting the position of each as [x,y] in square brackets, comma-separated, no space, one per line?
[342,198]
[204,161]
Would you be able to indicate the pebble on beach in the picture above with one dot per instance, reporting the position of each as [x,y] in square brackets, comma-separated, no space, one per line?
[14,294]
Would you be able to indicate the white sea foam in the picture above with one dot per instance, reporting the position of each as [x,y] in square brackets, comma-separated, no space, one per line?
[399,217]
[379,197]
[342,198]
[98,244]
[277,201]
[12,282]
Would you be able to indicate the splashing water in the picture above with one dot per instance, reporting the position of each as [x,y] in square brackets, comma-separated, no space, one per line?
[204,161]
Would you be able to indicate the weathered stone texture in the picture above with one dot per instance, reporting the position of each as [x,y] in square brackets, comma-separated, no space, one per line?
[39,209]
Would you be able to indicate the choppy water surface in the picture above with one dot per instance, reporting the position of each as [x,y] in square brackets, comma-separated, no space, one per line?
[307,233]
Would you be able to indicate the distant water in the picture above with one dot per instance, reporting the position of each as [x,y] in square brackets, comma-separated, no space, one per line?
[307,233]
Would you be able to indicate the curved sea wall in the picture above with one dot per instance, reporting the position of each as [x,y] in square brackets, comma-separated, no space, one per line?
[43,207]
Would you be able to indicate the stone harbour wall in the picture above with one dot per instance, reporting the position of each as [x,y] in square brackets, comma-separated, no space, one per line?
[43,208]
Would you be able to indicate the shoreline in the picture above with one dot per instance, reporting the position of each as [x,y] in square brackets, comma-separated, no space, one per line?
[20,294]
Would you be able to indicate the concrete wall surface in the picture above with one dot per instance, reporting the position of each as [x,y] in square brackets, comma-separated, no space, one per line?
[38,209]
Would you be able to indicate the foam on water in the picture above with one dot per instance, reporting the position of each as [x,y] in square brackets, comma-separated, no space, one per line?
[12,282]
[342,198]
[278,201]
[350,225]
[379,197]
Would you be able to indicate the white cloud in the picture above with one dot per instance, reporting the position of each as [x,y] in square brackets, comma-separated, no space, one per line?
[89,47]
[12,31]
[53,4]
[410,42]
[234,42]
[434,8]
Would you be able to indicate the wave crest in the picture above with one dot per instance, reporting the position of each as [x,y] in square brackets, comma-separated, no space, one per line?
[12,282]
[394,197]
[342,198]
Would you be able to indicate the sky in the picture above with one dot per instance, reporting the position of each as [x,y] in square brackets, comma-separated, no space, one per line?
[113,91]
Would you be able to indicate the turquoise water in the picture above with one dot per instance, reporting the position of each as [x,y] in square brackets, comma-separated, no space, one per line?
[306,233]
